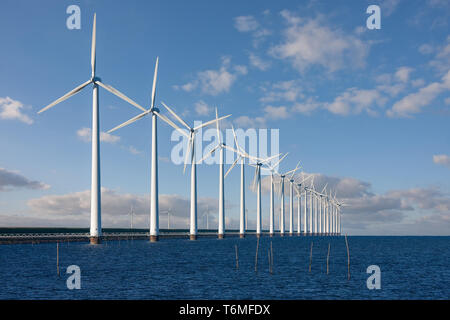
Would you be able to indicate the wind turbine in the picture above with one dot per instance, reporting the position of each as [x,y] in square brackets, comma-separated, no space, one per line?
[155,113]
[168,217]
[282,177]
[298,189]
[96,225]
[310,190]
[291,200]
[272,205]
[321,211]
[257,185]
[241,155]
[191,152]
[131,218]
[206,213]
[221,146]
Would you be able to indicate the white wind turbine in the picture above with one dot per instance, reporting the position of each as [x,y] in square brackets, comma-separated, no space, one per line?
[168,211]
[321,210]
[96,226]
[155,112]
[299,191]
[272,203]
[257,185]
[282,177]
[291,200]
[310,190]
[221,146]
[241,155]
[191,152]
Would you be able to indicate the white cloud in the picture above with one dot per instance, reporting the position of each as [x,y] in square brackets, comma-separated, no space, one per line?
[388,7]
[403,73]
[250,122]
[309,42]
[202,108]
[426,49]
[274,113]
[306,107]
[414,102]
[13,179]
[282,91]
[214,82]
[442,159]
[12,110]
[133,150]
[441,60]
[418,82]
[85,135]
[245,23]
[74,209]
[248,24]
[355,101]
[258,63]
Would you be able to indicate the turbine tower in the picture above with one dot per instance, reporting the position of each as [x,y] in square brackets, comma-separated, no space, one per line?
[96,224]
[272,205]
[191,152]
[291,201]
[298,189]
[257,186]
[241,155]
[221,146]
[282,177]
[155,112]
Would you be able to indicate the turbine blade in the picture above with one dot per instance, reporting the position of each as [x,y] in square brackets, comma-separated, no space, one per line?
[296,168]
[93,46]
[210,122]
[278,162]
[176,116]
[66,96]
[120,95]
[187,153]
[235,138]
[155,77]
[136,118]
[217,127]
[232,149]
[170,123]
[270,158]
[209,153]
[255,178]
[232,166]
[324,188]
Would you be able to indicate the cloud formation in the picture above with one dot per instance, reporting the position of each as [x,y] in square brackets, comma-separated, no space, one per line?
[12,179]
[11,109]
[308,42]
[414,103]
[85,135]
[442,159]
[214,82]
[74,209]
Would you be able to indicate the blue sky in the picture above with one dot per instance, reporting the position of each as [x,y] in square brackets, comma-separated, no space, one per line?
[364,109]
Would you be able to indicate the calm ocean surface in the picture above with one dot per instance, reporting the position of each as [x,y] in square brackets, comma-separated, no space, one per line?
[411,268]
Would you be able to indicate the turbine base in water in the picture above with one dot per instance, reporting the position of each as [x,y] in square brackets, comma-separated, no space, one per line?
[241,235]
[221,236]
[94,240]
[192,237]
[154,238]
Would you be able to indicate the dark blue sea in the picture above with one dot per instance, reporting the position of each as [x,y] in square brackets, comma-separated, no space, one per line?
[411,268]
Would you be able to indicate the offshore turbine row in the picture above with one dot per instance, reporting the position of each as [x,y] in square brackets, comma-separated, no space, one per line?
[318,213]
